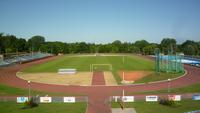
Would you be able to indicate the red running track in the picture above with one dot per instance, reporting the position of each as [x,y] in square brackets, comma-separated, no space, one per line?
[98,78]
[97,94]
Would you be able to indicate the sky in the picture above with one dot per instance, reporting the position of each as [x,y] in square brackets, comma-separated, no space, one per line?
[102,21]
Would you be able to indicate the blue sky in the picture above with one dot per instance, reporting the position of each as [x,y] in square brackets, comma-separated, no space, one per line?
[102,21]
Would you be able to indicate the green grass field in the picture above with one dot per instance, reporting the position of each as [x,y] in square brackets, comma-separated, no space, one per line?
[195,88]
[157,77]
[13,107]
[8,90]
[155,107]
[82,63]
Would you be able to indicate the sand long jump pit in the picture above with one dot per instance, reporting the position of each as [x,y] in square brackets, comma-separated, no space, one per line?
[80,78]
[109,79]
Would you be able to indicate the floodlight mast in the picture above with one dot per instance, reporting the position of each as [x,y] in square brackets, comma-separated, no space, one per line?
[169,85]
[29,89]
[123,99]
[123,75]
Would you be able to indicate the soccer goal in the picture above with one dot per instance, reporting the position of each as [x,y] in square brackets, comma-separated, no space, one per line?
[100,67]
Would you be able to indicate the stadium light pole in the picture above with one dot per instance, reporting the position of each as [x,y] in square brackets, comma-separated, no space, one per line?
[123,99]
[169,85]
[123,76]
[29,89]
[123,66]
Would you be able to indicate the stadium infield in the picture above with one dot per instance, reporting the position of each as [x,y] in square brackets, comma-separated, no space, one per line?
[83,63]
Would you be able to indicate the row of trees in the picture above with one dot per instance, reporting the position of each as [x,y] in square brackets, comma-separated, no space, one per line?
[12,44]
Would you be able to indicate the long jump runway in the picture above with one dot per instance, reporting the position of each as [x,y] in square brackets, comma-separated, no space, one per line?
[98,78]
[97,94]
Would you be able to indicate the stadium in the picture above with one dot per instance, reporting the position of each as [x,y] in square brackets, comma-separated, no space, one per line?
[100,77]
[109,69]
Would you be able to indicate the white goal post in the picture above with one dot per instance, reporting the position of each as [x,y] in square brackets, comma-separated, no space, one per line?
[93,65]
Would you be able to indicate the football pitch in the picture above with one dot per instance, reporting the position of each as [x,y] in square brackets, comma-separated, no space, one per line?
[82,63]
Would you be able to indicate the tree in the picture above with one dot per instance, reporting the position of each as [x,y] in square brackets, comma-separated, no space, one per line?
[198,49]
[1,43]
[168,44]
[149,50]
[73,48]
[45,48]
[115,46]
[83,47]
[9,44]
[93,48]
[21,45]
[35,42]
[141,44]
[133,49]
[66,48]
[190,47]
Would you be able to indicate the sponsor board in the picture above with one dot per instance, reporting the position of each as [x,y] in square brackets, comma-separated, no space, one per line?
[69,99]
[45,99]
[196,97]
[128,98]
[116,98]
[151,98]
[174,97]
[22,99]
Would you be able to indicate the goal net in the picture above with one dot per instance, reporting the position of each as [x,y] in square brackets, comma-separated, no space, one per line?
[100,67]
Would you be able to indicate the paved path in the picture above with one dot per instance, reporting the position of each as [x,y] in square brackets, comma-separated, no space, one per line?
[98,78]
[98,95]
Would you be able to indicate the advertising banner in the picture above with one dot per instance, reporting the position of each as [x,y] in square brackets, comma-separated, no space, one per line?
[45,99]
[151,98]
[196,97]
[128,98]
[69,99]
[116,98]
[22,99]
[174,97]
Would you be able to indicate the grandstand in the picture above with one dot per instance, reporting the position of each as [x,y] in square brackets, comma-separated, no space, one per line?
[192,60]
[22,58]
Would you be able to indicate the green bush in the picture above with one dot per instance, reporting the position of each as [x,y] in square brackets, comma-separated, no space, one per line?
[31,103]
[167,102]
